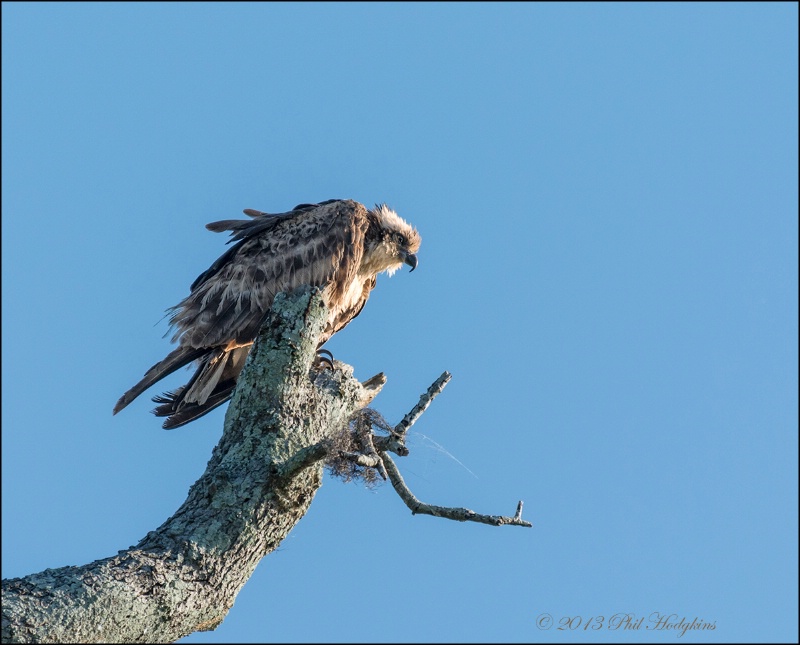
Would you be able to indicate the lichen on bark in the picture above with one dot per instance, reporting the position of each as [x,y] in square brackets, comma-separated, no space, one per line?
[184,576]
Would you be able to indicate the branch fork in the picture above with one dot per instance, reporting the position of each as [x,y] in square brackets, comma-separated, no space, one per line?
[374,454]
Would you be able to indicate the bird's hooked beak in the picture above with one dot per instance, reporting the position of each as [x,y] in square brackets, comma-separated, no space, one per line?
[411,260]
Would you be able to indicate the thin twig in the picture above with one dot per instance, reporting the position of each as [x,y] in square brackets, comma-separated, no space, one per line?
[458,514]
[424,401]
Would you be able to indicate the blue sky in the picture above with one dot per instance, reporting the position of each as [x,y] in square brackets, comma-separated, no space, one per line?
[607,196]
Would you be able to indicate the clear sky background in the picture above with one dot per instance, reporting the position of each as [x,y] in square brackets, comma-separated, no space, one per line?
[607,196]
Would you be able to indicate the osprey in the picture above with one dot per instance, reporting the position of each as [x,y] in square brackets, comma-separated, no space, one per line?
[337,245]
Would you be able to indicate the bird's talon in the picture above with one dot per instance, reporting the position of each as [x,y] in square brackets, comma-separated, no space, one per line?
[322,359]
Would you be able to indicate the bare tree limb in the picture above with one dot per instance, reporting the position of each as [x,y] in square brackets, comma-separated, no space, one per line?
[395,442]
[424,401]
[282,422]
[184,576]
[458,514]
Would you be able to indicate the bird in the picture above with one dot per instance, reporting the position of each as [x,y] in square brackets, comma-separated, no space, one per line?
[338,245]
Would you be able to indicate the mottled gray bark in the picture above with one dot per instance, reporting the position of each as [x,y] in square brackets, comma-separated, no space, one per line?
[184,576]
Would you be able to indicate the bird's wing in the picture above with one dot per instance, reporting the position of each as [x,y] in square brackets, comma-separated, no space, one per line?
[240,229]
[317,245]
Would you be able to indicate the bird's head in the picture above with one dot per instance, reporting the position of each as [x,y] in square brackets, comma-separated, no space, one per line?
[394,242]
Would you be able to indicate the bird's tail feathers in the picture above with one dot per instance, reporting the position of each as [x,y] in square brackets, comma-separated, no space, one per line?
[174,360]
[211,385]
[179,412]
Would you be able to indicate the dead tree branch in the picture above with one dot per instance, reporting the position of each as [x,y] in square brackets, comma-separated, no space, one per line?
[374,455]
[184,576]
[424,401]
[459,514]
[282,424]
[395,442]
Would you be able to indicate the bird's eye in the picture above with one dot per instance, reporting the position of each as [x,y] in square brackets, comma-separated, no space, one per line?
[399,238]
